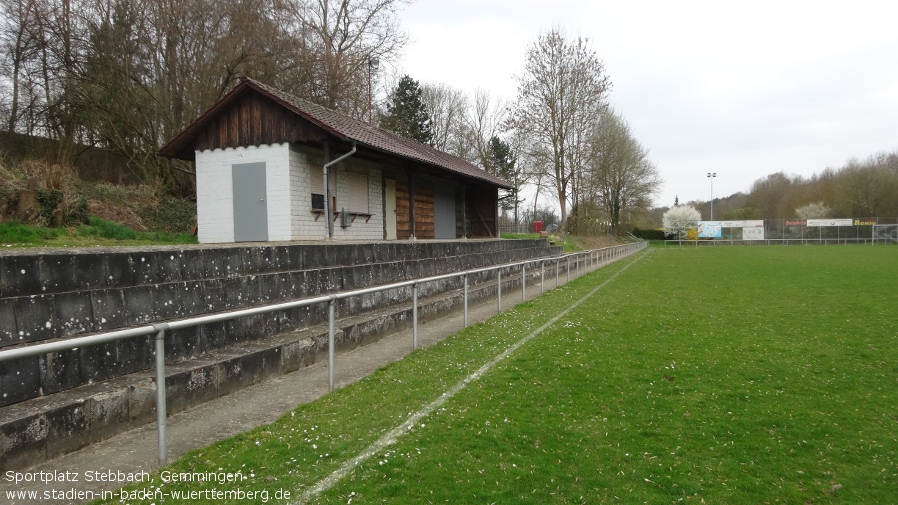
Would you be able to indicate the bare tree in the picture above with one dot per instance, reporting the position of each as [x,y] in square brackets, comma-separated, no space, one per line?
[130,74]
[152,66]
[559,99]
[482,122]
[336,40]
[447,107]
[43,44]
[769,195]
[533,163]
[17,44]
[621,176]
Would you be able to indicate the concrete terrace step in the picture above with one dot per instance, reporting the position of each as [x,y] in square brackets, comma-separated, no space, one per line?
[46,272]
[57,295]
[42,428]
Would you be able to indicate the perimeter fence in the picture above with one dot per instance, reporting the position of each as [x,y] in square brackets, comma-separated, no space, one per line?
[841,231]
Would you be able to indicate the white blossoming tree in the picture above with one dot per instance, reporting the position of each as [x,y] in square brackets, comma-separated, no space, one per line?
[813,210]
[679,219]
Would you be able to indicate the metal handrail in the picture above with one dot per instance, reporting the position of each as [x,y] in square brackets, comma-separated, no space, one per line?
[158,329]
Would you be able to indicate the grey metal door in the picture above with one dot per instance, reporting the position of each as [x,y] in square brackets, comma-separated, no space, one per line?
[444,212]
[390,209]
[250,202]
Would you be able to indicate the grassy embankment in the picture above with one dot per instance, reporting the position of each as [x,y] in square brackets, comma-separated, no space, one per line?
[77,213]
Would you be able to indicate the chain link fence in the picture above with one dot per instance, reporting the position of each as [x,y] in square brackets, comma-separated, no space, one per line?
[582,227]
[808,231]
[786,231]
[508,225]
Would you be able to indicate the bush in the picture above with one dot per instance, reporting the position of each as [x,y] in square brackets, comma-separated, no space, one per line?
[58,201]
[76,209]
[174,215]
[61,177]
[650,234]
[107,229]
[48,199]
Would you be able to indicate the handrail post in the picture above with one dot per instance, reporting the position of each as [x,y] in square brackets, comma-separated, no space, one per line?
[466,299]
[499,288]
[330,344]
[542,276]
[415,315]
[523,282]
[569,269]
[161,407]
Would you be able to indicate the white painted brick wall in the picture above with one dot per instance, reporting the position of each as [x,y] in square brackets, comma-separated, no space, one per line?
[303,225]
[215,192]
[288,172]
[277,183]
[360,230]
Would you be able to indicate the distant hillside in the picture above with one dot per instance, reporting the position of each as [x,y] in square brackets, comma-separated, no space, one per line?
[866,188]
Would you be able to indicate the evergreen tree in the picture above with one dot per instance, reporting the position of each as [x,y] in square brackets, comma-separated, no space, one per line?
[502,163]
[406,113]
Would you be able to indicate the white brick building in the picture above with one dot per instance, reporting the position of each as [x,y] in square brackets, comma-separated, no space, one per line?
[261,158]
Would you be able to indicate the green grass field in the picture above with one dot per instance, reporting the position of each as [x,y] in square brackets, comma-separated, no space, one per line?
[739,375]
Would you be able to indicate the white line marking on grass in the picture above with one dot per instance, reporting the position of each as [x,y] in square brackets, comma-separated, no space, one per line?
[393,435]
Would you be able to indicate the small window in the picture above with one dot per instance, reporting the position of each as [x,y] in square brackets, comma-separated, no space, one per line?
[317,201]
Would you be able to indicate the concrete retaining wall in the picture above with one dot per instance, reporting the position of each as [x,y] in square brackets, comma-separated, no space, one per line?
[42,428]
[57,295]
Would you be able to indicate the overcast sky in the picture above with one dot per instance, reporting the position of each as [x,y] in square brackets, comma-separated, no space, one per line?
[743,89]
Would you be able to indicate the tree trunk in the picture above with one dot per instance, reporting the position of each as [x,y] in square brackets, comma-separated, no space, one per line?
[29,207]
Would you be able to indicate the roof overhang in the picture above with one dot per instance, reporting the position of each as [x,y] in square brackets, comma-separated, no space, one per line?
[336,126]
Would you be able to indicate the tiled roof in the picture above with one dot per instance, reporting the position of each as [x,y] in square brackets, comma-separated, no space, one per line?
[350,129]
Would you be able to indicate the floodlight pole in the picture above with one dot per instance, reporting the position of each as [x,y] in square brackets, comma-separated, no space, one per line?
[373,64]
[711,176]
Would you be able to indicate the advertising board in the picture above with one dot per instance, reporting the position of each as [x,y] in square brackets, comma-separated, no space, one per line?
[709,229]
[753,233]
[830,222]
[752,223]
